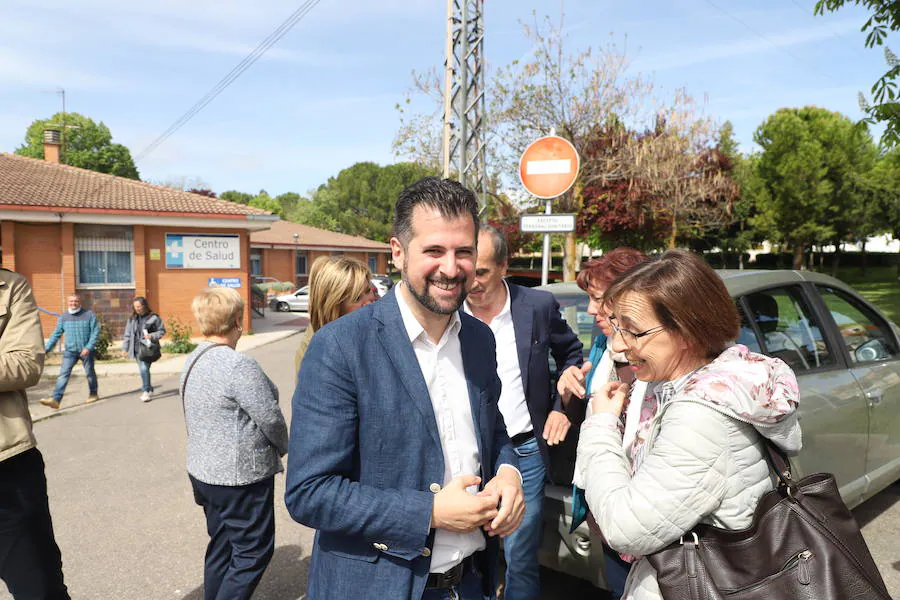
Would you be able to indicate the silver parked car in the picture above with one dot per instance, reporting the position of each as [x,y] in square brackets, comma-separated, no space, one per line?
[846,356]
[295,301]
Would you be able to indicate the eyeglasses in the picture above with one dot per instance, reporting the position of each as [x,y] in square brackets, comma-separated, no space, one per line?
[630,337]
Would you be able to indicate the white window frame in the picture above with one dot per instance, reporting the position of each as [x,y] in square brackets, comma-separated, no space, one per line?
[96,242]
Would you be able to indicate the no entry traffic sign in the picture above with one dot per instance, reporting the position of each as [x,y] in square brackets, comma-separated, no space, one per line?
[548,167]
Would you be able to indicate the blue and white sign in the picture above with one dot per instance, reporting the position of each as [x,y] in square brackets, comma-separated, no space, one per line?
[227,282]
[203,251]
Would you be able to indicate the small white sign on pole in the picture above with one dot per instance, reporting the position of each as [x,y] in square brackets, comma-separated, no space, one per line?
[547,223]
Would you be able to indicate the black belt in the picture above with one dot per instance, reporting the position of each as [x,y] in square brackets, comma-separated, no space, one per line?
[449,578]
[521,438]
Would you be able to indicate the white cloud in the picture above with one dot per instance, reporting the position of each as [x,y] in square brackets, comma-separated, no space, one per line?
[20,69]
[742,47]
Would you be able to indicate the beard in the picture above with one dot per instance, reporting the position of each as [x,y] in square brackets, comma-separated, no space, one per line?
[430,302]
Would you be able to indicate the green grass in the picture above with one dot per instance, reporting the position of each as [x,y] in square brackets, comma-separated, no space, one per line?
[885,295]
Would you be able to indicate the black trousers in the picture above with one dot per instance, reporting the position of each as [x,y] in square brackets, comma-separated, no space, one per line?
[30,561]
[240,521]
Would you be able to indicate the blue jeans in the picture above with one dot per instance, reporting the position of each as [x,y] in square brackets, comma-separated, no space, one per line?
[521,547]
[144,367]
[68,361]
[469,588]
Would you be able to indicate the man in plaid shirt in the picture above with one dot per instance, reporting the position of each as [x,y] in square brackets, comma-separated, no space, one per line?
[82,329]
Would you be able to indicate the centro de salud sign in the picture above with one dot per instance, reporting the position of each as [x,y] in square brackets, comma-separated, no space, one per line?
[203,251]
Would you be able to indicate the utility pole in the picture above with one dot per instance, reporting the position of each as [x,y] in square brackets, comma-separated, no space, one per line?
[464,96]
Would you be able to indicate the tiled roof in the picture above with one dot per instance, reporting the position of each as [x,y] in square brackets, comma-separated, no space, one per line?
[35,183]
[282,233]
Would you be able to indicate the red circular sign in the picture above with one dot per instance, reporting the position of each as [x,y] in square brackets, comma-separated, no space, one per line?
[549,166]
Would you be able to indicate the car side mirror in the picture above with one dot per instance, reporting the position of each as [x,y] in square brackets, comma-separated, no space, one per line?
[871,350]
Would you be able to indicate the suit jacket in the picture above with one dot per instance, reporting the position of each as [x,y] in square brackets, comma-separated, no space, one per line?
[365,452]
[540,332]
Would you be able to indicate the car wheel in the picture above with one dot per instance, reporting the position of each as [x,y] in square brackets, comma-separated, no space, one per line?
[284,307]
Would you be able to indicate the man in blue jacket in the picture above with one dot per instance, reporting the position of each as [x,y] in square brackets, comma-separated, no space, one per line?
[398,454]
[529,329]
[82,330]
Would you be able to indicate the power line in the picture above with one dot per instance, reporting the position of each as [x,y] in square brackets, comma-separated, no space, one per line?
[232,75]
[834,32]
[761,35]
[223,83]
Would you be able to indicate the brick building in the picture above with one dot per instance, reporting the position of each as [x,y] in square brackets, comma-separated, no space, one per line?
[287,250]
[111,239]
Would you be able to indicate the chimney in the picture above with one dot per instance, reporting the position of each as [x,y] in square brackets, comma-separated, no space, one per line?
[52,144]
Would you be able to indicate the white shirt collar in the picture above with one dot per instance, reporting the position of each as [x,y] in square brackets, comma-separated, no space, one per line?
[506,306]
[413,328]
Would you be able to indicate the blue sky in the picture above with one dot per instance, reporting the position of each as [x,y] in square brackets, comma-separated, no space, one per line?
[323,97]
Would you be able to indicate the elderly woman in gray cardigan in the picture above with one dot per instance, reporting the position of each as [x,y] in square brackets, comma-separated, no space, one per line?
[236,438]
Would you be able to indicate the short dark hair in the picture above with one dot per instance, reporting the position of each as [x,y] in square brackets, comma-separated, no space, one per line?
[688,298]
[604,270]
[448,197]
[498,240]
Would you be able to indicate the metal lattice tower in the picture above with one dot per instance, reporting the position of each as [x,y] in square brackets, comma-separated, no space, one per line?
[464,99]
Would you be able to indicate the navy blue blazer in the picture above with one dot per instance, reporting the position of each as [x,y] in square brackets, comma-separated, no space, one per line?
[541,332]
[365,452]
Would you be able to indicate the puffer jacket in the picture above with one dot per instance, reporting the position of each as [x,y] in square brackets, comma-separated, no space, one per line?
[21,362]
[704,460]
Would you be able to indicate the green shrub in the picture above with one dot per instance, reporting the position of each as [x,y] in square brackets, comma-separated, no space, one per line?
[273,286]
[101,348]
[180,335]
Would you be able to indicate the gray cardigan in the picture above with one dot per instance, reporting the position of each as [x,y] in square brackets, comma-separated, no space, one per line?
[236,431]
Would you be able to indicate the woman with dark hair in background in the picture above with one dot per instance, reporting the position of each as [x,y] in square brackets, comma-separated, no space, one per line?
[144,328]
[700,456]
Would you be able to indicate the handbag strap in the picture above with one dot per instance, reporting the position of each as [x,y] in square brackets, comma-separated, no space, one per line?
[780,462]
[188,374]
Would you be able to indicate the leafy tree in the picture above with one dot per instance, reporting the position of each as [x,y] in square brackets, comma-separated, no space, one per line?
[885,16]
[737,236]
[616,209]
[570,93]
[86,144]
[235,196]
[360,199]
[883,195]
[811,162]
[266,202]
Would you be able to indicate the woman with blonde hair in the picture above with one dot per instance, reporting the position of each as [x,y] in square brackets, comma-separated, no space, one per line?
[236,436]
[337,286]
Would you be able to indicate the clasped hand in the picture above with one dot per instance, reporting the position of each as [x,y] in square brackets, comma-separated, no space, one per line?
[498,508]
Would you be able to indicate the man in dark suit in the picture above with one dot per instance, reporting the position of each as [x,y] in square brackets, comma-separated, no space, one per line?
[528,328]
[398,454]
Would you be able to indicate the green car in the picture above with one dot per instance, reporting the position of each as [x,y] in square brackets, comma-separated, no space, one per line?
[846,356]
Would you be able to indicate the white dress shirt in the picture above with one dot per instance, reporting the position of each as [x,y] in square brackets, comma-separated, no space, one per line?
[442,368]
[512,396]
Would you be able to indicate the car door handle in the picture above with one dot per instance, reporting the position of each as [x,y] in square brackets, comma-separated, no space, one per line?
[874,397]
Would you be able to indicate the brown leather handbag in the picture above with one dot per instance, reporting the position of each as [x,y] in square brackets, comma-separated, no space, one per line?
[803,543]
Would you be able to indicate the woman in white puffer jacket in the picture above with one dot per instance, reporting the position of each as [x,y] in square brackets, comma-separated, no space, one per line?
[699,454]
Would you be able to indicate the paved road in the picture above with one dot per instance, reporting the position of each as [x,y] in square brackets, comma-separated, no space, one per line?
[129,529]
